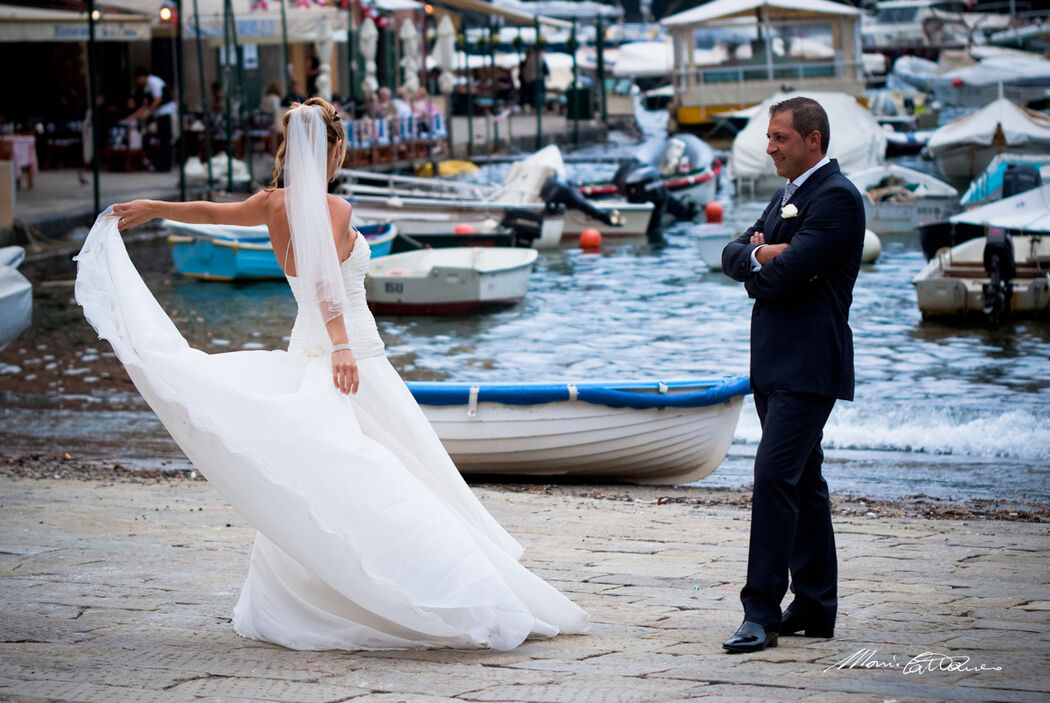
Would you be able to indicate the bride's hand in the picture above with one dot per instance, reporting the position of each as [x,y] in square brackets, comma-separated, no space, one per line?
[344,371]
[134,213]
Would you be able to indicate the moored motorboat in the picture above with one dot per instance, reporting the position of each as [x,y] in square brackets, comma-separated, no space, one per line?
[448,281]
[231,253]
[640,431]
[16,295]
[899,199]
[963,148]
[1026,213]
[998,275]
[1005,176]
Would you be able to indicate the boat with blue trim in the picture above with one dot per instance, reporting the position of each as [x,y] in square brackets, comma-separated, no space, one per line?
[648,431]
[231,253]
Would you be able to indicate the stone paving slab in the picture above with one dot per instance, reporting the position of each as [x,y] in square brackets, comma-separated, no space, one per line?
[122,591]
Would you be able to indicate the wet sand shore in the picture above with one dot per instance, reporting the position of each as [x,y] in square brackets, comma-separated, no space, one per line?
[118,585]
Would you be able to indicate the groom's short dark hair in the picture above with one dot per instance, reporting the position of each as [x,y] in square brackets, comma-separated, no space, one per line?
[807,116]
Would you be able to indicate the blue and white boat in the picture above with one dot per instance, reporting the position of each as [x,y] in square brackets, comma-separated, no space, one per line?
[1007,175]
[648,432]
[231,253]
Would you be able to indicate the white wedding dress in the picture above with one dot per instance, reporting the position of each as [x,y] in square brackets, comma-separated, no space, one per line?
[368,538]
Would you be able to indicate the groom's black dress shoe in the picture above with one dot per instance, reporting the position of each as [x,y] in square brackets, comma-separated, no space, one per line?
[751,637]
[793,624]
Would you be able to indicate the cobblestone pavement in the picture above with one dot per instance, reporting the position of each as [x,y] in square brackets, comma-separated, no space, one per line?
[119,591]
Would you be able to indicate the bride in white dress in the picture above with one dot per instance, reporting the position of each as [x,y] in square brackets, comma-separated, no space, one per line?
[368,538]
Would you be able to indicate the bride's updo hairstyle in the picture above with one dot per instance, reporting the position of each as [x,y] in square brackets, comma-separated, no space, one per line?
[333,126]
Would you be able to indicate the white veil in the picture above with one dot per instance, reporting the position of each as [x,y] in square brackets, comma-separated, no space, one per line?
[306,201]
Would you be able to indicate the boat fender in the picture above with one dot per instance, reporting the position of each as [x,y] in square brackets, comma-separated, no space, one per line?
[574,393]
[1000,265]
[559,192]
[472,401]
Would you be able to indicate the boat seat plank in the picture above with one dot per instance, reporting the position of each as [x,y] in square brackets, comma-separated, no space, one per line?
[1025,269]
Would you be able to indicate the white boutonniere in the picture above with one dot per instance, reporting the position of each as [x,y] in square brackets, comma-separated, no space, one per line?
[789,210]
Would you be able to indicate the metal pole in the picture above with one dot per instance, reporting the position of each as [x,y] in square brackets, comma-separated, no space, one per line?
[227,83]
[204,97]
[492,84]
[600,41]
[182,101]
[95,141]
[349,48]
[538,85]
[470,92]
[244,123]
[575,91]
[284,46]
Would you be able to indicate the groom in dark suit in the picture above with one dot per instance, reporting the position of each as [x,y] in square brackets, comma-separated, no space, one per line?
[799,262]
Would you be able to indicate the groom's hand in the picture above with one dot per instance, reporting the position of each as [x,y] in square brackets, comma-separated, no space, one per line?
[768,252]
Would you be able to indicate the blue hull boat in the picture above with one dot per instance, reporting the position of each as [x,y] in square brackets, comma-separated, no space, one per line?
[229,253]
[637,431]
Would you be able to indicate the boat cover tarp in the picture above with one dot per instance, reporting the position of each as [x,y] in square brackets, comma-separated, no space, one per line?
[1019,126]
[1025,212]
[638,395]
[857,139]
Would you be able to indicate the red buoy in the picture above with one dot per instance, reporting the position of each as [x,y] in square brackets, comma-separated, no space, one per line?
[590,239]
[713,212]
[464,228]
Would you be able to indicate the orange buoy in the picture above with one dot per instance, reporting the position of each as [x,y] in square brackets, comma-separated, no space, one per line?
[464,228]
[713,212]
[590,239]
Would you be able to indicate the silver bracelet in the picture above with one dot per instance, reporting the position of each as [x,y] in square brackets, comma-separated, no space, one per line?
[340,347]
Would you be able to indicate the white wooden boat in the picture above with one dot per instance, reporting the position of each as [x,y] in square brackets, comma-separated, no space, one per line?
[16,295]
[899,199]
[955,282]
[642,432]
[711,239]
[431,215]
[964,147]
[448,281]
[525,188]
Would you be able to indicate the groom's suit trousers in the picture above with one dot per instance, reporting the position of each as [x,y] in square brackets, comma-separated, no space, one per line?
[791,514]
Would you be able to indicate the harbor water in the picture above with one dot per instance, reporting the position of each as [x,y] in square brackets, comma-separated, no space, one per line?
[954,411]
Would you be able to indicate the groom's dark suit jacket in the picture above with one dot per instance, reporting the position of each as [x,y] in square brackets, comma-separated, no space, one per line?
[800,336]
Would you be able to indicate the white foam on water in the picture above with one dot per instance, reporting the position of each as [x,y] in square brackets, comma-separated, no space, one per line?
[967,431]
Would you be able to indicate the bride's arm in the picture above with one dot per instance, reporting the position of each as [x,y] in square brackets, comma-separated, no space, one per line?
[246,213]
[344,365]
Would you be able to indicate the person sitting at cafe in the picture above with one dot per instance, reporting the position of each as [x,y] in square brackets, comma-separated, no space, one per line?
[159,106]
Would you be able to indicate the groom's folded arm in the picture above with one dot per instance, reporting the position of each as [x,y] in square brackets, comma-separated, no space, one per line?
[736,256]
[817,245]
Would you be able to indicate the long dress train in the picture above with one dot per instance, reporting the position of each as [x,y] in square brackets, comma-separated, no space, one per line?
[368,538]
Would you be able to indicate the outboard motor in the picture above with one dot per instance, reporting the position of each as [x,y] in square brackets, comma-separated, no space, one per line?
[526,225]
[645,185]
[558,192]
[1018,178]
[1001,267]
[661,199]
